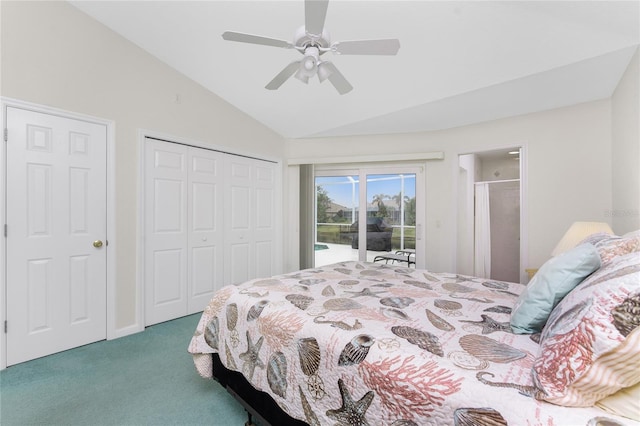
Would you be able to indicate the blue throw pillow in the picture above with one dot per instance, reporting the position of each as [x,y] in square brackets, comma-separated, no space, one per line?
[557,277]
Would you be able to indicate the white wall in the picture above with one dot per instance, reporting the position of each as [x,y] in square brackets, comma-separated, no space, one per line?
[569,171]
[626,150]
[55,55]
[500,169]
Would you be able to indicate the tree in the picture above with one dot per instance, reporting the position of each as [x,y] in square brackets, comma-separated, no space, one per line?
[378,200]
[398,198]
[323,204]
[410,211]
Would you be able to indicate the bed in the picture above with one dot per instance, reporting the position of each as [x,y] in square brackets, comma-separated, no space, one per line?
[357,343]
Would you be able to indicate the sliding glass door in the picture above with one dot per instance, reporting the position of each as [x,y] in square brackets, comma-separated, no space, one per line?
[337,208]
[388,202]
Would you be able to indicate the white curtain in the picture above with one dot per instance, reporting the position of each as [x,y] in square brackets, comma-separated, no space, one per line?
[482,246]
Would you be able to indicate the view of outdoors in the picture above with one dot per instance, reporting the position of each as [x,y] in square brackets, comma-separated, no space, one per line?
[391,215]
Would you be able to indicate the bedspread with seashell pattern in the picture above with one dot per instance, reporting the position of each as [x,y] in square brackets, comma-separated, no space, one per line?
[359,343]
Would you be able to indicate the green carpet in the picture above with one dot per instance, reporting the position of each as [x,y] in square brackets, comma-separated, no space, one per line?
[144,379]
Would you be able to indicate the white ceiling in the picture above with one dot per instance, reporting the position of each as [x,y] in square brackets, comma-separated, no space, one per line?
[459,62]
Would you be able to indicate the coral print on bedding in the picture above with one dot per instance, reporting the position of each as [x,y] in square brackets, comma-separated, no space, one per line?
[590,347]
[359,343]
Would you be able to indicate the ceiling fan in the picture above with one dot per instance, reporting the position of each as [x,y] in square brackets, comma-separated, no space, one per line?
[312,40]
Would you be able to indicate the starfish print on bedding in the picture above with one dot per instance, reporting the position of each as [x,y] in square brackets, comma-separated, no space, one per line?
[366,292]
[352,412]
[251,357]
[489,325]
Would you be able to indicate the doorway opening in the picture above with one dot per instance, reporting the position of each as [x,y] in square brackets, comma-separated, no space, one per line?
[489,238]
[387,200]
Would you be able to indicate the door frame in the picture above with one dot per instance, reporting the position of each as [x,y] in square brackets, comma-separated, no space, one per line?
[362,170]
[112,331]
[524,212]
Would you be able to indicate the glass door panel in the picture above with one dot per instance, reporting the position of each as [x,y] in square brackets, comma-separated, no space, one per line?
[336,216]
[391,216]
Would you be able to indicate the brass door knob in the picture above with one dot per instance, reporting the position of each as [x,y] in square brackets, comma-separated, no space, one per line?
[97,243]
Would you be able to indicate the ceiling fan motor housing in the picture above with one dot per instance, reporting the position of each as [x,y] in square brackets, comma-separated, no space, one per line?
[303,40]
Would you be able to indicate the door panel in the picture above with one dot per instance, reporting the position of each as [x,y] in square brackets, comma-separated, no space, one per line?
[165,231]
[238,238]
[264,219]
[56,209]
[391,215]
[206,181]
[183,229]
[250,218]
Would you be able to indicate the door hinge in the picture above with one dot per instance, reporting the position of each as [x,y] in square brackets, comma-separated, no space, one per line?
[5,327]
[6,134]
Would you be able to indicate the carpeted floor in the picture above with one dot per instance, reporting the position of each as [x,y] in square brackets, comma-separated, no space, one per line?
[144,379]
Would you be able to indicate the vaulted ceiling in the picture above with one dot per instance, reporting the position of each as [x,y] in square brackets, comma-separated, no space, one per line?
[459,62]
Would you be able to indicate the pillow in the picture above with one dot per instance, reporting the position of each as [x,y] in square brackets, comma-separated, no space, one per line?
[596,238]
[625,403]
[557,277]
[589,347]
[632,234]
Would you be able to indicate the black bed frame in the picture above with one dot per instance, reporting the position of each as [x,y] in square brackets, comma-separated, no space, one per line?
[257,404]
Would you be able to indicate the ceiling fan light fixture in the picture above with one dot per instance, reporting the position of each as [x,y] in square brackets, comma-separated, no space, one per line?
[302,75]
[309,63]
[323,72]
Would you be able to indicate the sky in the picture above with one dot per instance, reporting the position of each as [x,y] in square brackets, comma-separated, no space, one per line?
[339,188]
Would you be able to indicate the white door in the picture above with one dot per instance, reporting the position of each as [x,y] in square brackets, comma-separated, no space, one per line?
[250,219]
[56,248]
[205,224]
[265,229]
[183,229]
[165,206]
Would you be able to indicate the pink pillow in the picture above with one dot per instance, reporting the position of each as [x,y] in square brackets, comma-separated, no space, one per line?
[589,347]
[617,246]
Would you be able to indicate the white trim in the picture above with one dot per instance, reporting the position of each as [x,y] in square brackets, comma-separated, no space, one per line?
[111,331]
[524,213]
[3,246]
[359,159]
[362,170]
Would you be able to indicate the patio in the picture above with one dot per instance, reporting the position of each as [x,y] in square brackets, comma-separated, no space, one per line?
[340,253]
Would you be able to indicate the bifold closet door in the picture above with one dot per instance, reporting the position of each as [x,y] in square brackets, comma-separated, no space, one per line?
[205,224]
[249,219]
[183,221]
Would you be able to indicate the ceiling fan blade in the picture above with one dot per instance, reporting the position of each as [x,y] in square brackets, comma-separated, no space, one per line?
[367,47]
[254,39]
[337,79]
[283,76]
[315,11]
